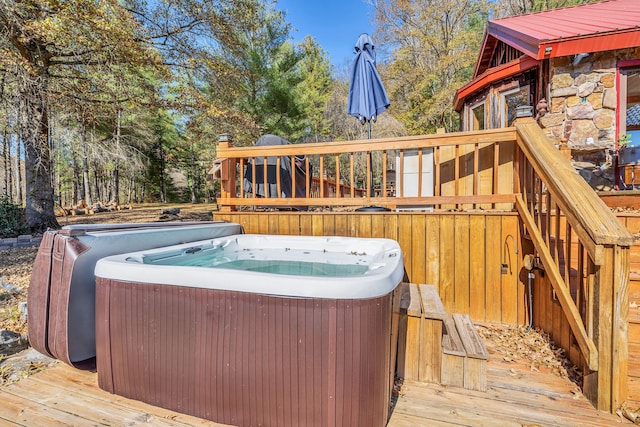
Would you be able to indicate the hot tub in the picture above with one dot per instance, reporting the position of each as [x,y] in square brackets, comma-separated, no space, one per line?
[253,330]
[61,298]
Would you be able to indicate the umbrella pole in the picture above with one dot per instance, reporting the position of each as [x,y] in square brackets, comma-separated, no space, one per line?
[371,192]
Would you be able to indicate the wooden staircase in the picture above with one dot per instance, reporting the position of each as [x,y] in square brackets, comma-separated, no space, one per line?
[438,347]
[634,334]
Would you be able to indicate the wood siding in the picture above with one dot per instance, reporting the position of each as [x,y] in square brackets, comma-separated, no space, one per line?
[460,253]
[243,358]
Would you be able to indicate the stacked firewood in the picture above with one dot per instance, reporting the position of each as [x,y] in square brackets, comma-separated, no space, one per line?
[83,209]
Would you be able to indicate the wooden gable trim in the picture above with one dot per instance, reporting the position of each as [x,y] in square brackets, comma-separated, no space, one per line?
[493,75]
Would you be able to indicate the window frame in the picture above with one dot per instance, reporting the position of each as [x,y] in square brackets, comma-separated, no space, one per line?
[472,116]
[504,107]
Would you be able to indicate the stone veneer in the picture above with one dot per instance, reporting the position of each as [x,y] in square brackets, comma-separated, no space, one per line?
[582,110]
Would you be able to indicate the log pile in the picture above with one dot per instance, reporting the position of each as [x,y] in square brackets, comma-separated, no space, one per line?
[172,214]
[83,209]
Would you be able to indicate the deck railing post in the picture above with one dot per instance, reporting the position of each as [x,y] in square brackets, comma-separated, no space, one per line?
[227,175]
[607,388]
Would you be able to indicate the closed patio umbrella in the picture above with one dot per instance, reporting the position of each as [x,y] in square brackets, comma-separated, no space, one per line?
[367,96]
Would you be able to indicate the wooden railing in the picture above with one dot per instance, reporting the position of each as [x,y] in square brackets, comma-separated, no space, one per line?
[574,238]
[330,188]
[458,171]
[584,251]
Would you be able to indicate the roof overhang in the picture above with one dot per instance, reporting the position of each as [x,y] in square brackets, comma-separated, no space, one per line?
[591,43]
[521,41]
[493,75]
[606,25]
[565,46]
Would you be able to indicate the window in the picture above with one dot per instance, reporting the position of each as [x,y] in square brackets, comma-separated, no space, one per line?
[633,98]
[510,101]
[629,103]
[477,121]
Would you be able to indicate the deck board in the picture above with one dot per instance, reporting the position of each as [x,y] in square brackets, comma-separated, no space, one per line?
[66,396]
[516,396]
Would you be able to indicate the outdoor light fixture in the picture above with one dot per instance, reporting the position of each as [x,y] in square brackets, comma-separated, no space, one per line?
[579,57]
[524,111]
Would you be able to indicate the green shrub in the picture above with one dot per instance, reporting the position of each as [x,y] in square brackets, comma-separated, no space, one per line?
[12,220]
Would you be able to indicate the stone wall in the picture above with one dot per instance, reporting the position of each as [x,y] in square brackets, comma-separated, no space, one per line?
[583,111]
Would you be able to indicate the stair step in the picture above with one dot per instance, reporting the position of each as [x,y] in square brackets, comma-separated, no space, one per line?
[634,328]
[435,346]
[453,355]
[475,364]
[634,312]
[634,287]
[432,306]
[634,360]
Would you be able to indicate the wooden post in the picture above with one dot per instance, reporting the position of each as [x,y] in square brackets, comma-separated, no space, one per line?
[607,388]
[228,175]
[564,149]
[409,332]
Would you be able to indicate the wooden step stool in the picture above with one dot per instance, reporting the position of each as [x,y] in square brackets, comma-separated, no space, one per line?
[453,355]
[475,363]
[435,346]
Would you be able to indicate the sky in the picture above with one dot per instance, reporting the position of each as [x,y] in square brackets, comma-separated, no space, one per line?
[334,24]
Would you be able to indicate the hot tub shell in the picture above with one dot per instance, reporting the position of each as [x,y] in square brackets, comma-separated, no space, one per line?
[243,357]
[61,298]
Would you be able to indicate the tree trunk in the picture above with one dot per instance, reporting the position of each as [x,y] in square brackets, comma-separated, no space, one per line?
[116,170]
[18,172]
[77,191]
[163,185]
[96,183]
[5,142]
[10,170]
[6,162]
[85,166]
[39,212]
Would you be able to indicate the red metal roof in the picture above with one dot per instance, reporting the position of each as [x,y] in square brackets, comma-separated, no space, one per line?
[607,25]
[593,27]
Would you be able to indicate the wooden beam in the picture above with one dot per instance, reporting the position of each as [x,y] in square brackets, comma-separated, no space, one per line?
[363,201]
[404,143]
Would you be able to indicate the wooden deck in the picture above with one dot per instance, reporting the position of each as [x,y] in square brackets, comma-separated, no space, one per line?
[517,396]
[65,396]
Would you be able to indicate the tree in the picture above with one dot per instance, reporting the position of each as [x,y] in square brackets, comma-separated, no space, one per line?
[314,91]
[49,44]
[434,45]
[520,7]
[250,79]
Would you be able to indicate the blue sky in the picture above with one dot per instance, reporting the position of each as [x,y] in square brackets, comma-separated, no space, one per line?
[334,24]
